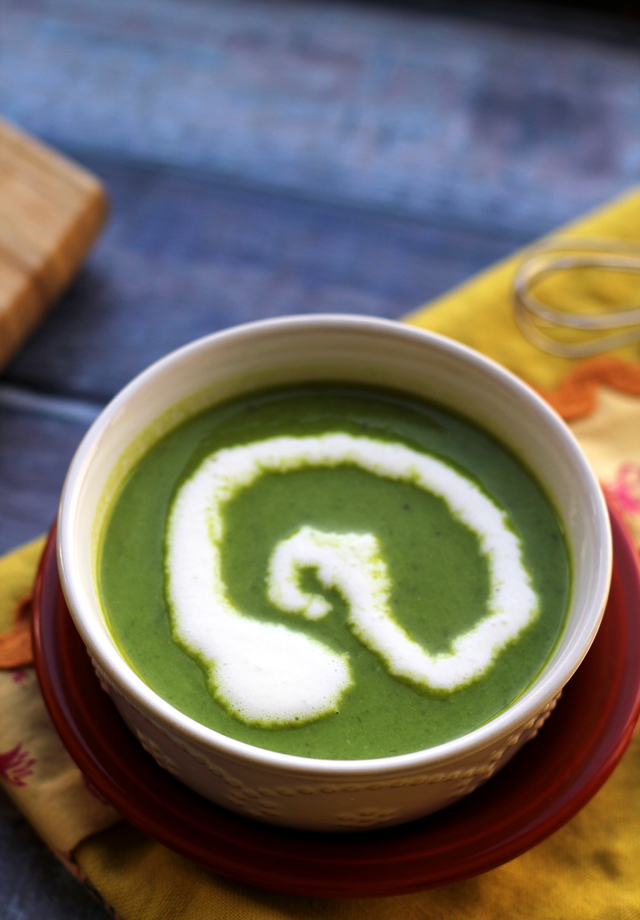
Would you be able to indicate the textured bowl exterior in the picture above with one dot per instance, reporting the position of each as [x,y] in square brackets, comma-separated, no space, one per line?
[301,792]
[392,796]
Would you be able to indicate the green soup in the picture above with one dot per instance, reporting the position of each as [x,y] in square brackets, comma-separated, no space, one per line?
[437,571]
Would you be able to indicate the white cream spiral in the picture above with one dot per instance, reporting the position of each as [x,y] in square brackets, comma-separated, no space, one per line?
[271,675]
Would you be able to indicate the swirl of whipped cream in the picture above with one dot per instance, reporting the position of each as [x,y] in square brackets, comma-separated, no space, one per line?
[270,675]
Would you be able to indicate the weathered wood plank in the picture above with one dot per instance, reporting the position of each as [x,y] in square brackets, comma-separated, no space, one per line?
[187,255]
[486,135]
[499,126]
[35,453]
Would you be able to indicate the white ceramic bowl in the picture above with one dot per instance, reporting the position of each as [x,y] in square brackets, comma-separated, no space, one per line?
[283,789]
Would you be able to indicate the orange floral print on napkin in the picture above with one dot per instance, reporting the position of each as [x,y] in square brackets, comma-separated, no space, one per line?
[600,401]
[576,396]
[38,773]
[35,769]
[16,766]
[15,645]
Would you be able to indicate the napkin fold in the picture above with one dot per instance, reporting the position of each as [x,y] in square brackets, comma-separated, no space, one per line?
[590,868]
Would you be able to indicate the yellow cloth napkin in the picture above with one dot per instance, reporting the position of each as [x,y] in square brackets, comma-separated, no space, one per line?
[479,312]
[35,769]
[589,869]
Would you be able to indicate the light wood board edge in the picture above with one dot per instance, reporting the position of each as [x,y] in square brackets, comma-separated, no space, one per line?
[51,211]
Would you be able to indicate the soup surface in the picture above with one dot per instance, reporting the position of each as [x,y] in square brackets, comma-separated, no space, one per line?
[334,571]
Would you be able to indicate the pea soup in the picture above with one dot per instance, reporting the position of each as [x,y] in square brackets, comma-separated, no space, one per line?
[334,571]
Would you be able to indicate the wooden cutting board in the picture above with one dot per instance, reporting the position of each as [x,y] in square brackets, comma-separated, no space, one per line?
[51,210]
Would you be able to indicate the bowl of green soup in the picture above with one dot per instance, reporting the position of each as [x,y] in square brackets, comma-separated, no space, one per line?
[334,571]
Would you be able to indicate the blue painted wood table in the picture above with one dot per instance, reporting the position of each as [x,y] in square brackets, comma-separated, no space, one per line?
[265,158]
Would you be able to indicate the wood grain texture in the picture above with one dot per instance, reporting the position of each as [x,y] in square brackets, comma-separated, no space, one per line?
[35,453]
[493,125]
[270,156]
[50,212]
[187,254]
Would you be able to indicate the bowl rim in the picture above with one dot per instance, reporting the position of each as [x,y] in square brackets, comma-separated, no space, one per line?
[545,688]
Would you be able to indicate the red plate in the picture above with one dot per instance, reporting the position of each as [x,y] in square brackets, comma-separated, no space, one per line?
[534,795]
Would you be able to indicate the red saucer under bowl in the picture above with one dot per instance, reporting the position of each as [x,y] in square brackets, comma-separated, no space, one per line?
[544,786]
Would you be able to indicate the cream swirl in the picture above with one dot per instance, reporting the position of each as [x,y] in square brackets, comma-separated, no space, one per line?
[271,675]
